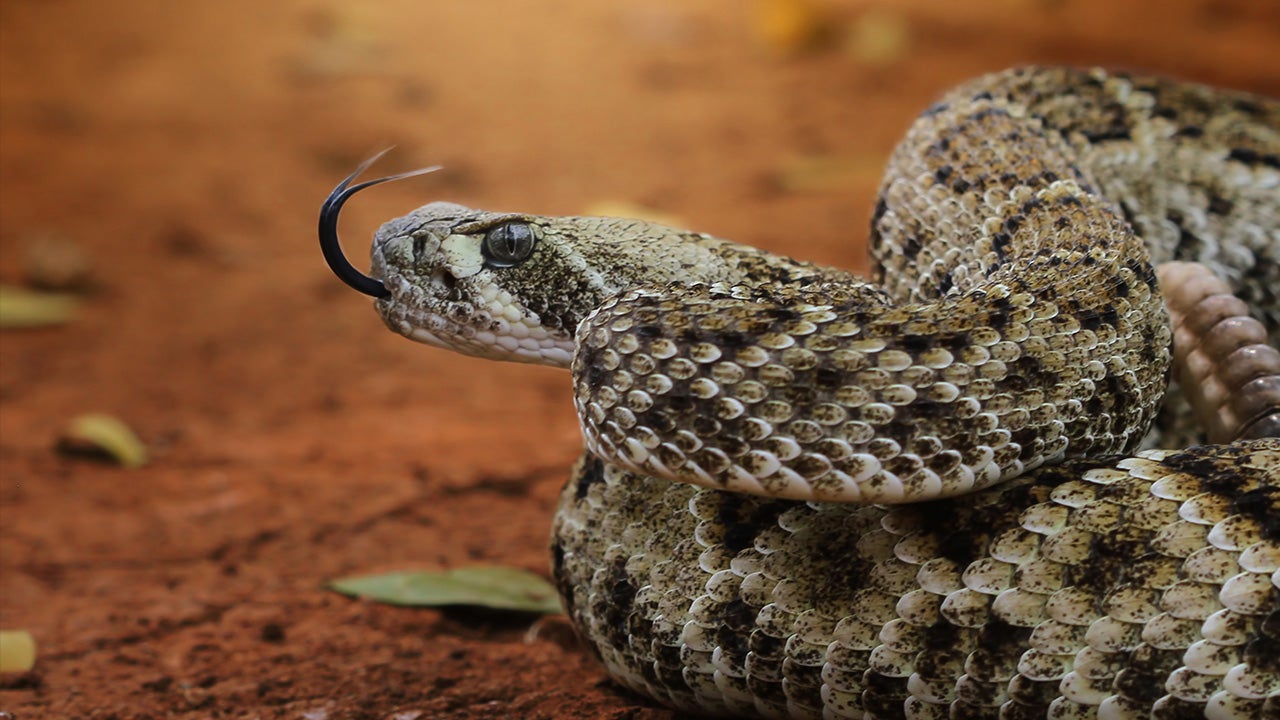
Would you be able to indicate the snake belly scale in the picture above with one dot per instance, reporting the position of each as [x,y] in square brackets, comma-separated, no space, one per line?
[924,496]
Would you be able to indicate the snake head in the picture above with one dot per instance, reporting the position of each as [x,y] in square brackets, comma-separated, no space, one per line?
[439,273]
[493,285]
[502,286]
[515,287]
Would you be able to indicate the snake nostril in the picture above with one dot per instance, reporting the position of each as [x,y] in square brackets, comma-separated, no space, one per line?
[445,284]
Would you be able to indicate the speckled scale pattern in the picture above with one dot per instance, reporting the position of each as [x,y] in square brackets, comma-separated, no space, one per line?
[1020,322]
[1145,586]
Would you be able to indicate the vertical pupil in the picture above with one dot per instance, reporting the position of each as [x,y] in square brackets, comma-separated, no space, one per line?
[508,245]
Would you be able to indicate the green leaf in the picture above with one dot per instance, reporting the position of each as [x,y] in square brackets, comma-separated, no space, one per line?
[24,309]
[500,588]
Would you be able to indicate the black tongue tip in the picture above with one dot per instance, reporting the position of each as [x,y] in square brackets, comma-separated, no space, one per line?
[328,228]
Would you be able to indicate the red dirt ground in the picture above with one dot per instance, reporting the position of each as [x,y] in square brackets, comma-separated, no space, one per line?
[186,148]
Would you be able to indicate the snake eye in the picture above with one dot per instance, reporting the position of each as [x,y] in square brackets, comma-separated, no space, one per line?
[508,245]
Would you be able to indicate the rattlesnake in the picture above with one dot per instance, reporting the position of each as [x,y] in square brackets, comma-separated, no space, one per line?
[997,377]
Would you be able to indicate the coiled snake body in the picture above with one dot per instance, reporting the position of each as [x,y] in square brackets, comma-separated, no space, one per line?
[945,516]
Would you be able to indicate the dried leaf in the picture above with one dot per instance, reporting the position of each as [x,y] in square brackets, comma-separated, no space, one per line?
[17,651]
[343,41]
[499,588]
[103,434]
[820,173]
[21,308]
[623,209]
[879,38]
[790,27]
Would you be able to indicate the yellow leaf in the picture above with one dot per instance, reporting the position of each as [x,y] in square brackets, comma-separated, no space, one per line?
[821,173]
[879,38]
[17,651]
[21,308]
[99,433]
[791,26]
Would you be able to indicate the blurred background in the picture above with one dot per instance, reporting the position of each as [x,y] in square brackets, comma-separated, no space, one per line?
[161,167]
